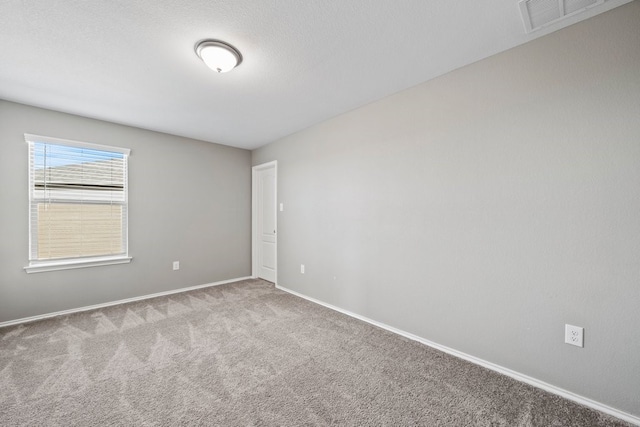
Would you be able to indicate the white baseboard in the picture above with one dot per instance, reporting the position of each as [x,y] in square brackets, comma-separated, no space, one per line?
[111,303]
[489,365]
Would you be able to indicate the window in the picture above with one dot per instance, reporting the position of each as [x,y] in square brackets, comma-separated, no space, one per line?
[77,204]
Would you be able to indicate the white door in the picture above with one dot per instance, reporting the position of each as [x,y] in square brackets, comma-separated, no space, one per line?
[264,207]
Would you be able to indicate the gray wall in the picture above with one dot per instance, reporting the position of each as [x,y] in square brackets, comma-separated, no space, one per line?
[188,200]
[485,209]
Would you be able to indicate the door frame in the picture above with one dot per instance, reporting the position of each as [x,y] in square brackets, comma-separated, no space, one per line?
[254,216]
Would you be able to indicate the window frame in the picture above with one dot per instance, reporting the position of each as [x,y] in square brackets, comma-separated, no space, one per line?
[37,266]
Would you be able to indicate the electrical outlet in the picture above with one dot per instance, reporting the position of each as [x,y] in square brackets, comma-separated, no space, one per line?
[574,335]
[302,268]
[176,265]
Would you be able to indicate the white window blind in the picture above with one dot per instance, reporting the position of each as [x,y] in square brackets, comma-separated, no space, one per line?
[78,201]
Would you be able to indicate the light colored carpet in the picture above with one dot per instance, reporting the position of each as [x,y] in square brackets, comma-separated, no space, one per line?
[247,354]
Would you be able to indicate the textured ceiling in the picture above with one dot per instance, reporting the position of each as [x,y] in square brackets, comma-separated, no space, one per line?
[132,62]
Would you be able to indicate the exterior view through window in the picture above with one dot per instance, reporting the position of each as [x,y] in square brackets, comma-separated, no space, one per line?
[78,200]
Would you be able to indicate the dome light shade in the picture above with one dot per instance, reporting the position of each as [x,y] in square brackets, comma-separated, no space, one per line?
[217,55]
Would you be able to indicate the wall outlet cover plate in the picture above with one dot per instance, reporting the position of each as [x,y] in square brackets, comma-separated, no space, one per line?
[574,335]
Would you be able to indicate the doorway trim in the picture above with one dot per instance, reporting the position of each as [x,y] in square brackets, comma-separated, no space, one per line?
[254,216]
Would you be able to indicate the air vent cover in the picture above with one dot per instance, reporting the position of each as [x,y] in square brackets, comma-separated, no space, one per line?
[539,13]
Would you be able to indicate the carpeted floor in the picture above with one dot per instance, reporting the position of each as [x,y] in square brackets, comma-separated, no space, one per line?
[247,354]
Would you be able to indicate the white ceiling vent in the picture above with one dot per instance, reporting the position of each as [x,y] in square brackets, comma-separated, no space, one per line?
[539,13]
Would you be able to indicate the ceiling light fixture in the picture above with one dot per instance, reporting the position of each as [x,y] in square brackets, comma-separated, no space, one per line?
[218,55]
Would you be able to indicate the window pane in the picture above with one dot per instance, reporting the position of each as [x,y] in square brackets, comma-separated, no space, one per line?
[72,173]
[69,230]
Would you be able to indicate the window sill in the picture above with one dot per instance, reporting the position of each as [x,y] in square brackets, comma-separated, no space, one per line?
[39,267]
